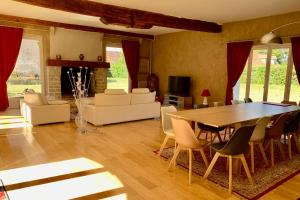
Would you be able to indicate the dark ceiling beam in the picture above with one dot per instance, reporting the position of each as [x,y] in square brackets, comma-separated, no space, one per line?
[134,18]
[26,20]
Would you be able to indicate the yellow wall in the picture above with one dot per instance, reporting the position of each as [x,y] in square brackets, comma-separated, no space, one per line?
[203,55]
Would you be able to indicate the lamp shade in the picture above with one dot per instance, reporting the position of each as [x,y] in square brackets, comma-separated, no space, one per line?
[270,38]
[205,93]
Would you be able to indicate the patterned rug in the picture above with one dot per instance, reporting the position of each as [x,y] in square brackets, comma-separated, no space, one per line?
[265,178]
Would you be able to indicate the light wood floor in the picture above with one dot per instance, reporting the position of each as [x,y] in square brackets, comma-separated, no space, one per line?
[126,151]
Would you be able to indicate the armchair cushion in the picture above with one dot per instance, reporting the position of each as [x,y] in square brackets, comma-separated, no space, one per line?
[36,99]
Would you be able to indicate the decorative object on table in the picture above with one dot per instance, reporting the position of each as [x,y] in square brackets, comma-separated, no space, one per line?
[205,93]
[272,38]
[81,57]
[58,57]
[99,58]
[80,86]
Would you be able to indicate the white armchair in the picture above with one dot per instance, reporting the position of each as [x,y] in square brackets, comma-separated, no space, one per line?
[37,110]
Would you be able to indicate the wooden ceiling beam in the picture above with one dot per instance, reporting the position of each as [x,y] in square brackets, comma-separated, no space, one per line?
[26,20]
[134,18]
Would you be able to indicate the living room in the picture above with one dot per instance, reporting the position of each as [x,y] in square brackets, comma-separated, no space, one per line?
[92,93]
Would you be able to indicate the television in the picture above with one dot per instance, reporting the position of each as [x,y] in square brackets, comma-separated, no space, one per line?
[179,85]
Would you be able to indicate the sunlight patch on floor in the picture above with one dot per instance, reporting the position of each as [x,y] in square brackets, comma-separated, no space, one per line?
[117,197]
[70,188]
[8,122]
[36,172]
[66,179]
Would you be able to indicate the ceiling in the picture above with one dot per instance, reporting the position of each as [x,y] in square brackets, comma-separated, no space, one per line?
[219,11]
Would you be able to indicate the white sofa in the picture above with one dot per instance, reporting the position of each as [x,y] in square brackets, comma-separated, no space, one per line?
[115,105]
[37,110]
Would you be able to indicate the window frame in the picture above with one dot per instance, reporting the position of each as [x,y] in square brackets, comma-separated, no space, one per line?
[39,39]
[288,79]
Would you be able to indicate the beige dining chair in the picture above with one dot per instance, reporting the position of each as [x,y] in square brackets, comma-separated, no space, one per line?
[186,140]
[273,136]
[167,126]
[257,138]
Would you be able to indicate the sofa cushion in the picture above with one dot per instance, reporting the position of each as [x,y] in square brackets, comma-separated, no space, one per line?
[36,99]
[140,90]
[102,99]
[143,98]
[115,91]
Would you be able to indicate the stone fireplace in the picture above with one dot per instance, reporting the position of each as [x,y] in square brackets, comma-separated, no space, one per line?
[54,82]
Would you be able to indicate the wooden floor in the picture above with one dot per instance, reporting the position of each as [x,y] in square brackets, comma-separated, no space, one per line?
[125,151]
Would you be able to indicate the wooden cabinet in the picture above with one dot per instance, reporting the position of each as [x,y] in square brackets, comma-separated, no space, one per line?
[178,101]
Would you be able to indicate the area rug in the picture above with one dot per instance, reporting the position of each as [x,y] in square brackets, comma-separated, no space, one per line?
[265,178]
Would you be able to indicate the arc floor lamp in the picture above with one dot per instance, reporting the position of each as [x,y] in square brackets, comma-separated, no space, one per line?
[272,38]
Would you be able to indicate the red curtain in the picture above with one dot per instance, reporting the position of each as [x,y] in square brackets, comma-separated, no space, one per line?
[296,55]
[237,55]
[10,42]
[131,51]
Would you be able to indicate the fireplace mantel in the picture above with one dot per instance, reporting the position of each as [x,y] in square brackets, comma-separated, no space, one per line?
[77,63]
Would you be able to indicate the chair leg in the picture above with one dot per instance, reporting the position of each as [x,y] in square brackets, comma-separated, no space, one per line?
[190,165]
[252,156]
[246,168]
[230,174]
[272,151]
[263,153]
[163,145]
[203,157]
[296,141]
[174,157]
[281,149]
[289,146]
[211,165]
[219,136]
[198,136]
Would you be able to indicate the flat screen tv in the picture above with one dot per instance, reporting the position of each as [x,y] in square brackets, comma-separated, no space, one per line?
[179,85]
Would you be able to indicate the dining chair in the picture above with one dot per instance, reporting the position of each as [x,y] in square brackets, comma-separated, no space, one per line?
[291,130]
[257,138]
[273,135]
[167,126]
[186,140]
[214,131]
[236,147]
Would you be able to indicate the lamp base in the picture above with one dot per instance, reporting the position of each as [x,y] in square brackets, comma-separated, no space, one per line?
[205,101]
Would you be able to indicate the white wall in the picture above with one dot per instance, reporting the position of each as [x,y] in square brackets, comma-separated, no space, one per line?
[70,43]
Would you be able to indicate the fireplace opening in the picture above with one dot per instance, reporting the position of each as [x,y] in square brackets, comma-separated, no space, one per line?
[66,87]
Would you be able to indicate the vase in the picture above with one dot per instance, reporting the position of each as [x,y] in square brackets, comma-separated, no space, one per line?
[80,120]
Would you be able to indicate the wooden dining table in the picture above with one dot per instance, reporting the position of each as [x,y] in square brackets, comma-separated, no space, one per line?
[233,114]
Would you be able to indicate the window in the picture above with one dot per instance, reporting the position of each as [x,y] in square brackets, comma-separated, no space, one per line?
[269,75]
[117,74]
[27,71]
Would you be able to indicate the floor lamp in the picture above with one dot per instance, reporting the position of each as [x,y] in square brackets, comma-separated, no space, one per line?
[272,38]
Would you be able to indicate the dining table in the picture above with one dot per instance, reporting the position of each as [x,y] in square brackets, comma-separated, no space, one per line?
[234,115]
[222,116]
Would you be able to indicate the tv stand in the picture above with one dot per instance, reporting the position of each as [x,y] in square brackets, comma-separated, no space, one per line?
[179,102]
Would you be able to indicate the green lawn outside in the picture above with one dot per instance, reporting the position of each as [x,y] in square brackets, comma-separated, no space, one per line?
[17,90]
[275,93]
[117,83]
